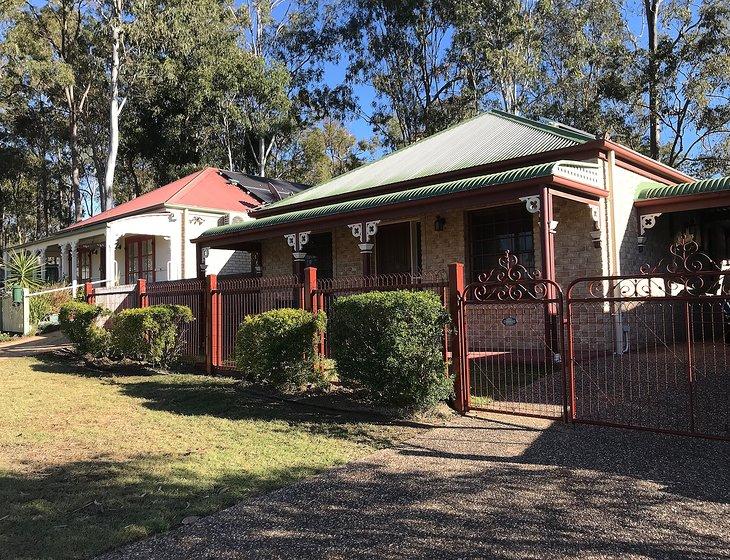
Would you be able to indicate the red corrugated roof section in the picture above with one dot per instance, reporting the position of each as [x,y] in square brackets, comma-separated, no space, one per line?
[202,189]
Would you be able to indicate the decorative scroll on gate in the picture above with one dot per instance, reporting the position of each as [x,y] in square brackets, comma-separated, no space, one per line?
[650,351]
[511,323]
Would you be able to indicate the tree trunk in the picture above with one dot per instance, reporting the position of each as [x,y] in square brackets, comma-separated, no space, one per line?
[651,7]
[262,157]
[75,171]
[115,107]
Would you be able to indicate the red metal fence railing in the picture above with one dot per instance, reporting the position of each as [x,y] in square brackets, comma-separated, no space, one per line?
[239,296]
[183,292]
[648,351]
[652,350]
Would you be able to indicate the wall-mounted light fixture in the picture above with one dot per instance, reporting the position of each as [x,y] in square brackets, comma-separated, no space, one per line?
[439,223]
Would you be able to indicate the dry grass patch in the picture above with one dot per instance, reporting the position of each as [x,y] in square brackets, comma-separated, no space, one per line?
[89,463]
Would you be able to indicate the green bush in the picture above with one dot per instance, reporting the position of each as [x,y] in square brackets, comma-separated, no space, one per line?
[150,334]
[391,343]
[77,320]
[40,307]
[279,347]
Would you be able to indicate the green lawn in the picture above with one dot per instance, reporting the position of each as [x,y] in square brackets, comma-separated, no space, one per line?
[88,463]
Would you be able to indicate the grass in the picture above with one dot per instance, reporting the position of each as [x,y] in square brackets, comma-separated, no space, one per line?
[90,463]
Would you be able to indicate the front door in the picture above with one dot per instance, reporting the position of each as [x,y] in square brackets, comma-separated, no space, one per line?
[140,259]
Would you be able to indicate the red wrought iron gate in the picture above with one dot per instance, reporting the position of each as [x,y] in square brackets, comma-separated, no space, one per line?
[650,351]
[511,343]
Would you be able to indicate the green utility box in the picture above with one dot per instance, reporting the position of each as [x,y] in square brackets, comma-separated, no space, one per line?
[17,294]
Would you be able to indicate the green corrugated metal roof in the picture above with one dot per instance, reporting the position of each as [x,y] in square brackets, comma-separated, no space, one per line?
[651,190]
[572,169]
[487,138]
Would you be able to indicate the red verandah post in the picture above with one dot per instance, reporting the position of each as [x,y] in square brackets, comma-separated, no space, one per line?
[459,359]
[213,325]
[89,293]
[142,300]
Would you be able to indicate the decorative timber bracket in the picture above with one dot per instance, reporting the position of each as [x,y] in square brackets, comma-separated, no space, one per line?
[364,232]
[532,203]
[646,221]
[595,210]
[297,241]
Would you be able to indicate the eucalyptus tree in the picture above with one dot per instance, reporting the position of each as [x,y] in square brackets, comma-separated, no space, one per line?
[402,50]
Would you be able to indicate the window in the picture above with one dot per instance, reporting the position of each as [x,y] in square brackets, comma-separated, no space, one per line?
[85,265]
[496,230]
[319,254]
[398,248]
[140,256]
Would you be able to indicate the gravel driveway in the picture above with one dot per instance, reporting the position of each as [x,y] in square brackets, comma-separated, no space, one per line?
[503,488]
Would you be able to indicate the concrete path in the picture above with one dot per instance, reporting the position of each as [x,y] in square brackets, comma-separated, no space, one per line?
[34,345]
[503,488]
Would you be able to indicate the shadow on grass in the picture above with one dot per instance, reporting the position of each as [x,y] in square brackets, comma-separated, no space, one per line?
[86,507]
[198,395]
[542,502]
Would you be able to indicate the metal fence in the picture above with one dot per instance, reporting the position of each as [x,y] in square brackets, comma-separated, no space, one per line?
[190,293]
[239,296]
[650,351]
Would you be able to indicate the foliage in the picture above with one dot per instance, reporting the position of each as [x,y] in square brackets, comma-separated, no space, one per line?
[78,323]
[256,93]
[23,270]
[40,307]
[47,304]
[150,334]
[391,343]
[181,445]
[279,347]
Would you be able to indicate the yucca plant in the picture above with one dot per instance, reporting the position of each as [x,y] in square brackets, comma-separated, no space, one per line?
[23,270]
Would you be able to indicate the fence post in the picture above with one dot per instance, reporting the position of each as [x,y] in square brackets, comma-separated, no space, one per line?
[89,293]
[310,284]
[142,292]
[213,325]
[459,360]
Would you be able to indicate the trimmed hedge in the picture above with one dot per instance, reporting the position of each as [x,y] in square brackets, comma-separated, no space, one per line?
[150,334]
[279,347]
[78,323]
[391,343]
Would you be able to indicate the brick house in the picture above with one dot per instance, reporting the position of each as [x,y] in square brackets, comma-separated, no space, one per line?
[563,201]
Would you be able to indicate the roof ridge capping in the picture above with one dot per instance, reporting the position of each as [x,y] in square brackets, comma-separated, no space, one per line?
[553,127]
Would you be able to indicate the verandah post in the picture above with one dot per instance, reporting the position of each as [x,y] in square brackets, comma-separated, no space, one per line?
[89,293]
[142,300]
[213,325]
[459,360]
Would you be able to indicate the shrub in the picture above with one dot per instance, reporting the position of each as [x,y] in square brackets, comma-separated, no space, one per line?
[279,347]
[390,343]
[40,307]
[150,334]
[76,320]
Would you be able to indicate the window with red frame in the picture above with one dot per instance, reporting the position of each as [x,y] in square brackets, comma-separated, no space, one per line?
[140,256]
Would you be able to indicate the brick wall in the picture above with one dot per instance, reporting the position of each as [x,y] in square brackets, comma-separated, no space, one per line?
[346,259]
[575,254]
[276,257]
[439,248]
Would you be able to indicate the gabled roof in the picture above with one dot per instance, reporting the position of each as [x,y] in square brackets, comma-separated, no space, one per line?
[651,190]
[267,190]
[575,170]
[487,138]
[203,189]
